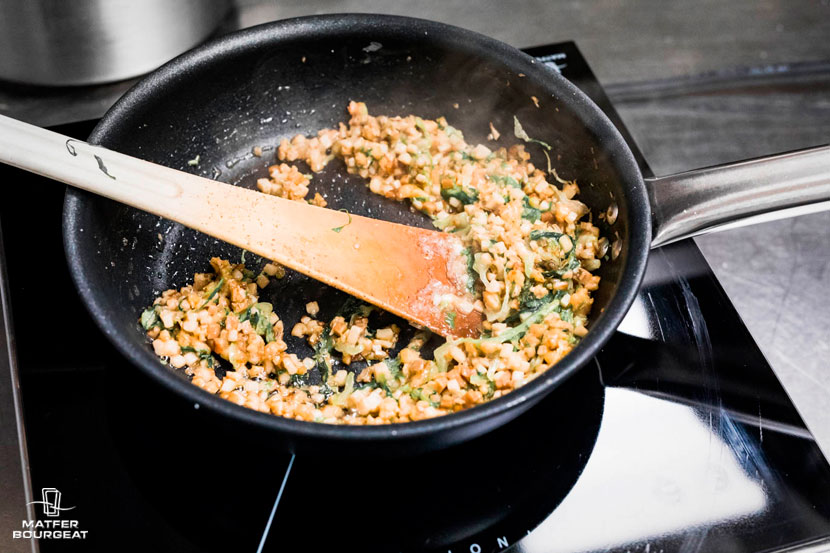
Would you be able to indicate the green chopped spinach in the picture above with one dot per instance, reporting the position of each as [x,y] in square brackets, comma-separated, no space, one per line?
[542,234]
[150,319]
[472,274]
[389,384]
[259,315]
[509,335]
[505,180]
[418,395]
[298,380]
[351,308]
[349,222]
[322,353]
[269,334]
[571,263]
[465,196]
[204,354]
[529,303]
[213,293]
[529,212]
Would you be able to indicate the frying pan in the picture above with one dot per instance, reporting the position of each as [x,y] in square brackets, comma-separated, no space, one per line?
[254,87]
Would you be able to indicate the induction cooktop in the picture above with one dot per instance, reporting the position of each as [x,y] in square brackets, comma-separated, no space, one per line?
[677,437]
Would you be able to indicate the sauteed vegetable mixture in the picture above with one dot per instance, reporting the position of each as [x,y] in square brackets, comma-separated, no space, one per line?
[530,249]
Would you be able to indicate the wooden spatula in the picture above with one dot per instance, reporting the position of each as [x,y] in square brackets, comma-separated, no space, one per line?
[405,270]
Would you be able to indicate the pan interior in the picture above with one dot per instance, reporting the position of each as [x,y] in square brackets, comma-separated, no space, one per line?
[219,104]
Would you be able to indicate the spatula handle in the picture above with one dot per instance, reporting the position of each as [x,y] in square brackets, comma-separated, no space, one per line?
[122,178]
[230,213]
[387,264]
[286,231]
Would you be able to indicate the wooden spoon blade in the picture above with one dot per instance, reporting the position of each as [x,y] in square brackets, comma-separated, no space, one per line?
[418,274]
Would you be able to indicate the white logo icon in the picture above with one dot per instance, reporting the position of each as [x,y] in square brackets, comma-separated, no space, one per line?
[51,501]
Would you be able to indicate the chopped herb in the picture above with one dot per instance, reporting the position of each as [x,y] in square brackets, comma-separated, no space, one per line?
[338,229]
[298,380]
[528,302]
[504,180]
[389,384]
[465,196]
[213,292]
[204,354]
[195,161]
[418,395]
[326,392]
[324,346]
[261,318]
[423,128]
[259,315]
[353,308]
[368,153]
[570,263]
[150,319]
[245,315]
[478,379]
[394,366]
[472,275]
[541,234]
[509,335]
[449,318]
[529,212]
[322,353]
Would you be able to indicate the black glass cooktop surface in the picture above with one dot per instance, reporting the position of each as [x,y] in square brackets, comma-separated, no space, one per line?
[678,437]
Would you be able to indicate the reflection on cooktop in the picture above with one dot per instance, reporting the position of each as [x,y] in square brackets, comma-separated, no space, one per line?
[681,471]
[500,484]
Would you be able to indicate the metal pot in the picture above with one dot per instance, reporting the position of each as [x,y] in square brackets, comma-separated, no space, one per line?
[54,42]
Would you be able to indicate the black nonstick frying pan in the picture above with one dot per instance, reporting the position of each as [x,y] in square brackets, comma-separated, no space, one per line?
[254,87]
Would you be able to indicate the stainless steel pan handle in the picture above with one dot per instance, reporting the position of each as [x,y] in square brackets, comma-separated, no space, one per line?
[738,194]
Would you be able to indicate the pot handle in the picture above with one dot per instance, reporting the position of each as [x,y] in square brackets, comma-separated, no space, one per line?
[738,194]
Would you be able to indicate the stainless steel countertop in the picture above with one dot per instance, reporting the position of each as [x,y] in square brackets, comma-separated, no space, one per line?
[697,83]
